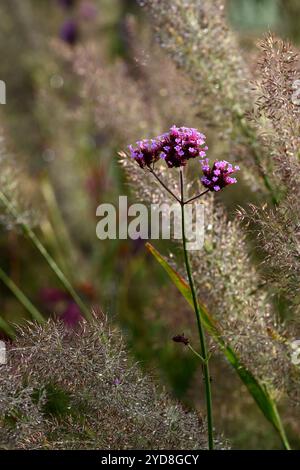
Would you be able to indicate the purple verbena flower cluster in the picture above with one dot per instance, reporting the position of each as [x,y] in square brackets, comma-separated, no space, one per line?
[147,152]
[218,176]
[181,144]
[176,147]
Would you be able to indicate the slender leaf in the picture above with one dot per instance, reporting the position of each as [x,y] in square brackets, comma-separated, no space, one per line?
[43,251]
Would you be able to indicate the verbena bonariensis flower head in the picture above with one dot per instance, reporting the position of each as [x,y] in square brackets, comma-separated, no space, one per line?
[176,147]
[181,144]
[218,176]
[146,152]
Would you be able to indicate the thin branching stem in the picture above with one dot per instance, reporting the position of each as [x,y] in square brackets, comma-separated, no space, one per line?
[204,354]
[196,197]
[163,184]
[196,353]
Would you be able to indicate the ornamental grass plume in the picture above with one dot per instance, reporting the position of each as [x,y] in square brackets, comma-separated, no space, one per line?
[276,117]
[196,35]
[13,185]
[80,390]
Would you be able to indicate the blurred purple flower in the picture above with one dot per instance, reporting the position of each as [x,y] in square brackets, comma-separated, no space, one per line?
[59,301]
[218,176]
[51,296]
[138,246]
[69,32]
[71,316]
[68,4]
[88,10]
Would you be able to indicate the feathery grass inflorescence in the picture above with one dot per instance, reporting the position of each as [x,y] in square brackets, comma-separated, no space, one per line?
[276,113]
[14,184]
[80,390]
[198,38]
[276,117]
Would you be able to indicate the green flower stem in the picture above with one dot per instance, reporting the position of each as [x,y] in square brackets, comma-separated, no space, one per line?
[35,314]
[196,197]
[204,354]
[196,353]
[40,247]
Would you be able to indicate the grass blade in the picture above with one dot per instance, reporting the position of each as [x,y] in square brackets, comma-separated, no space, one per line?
[46,255]
[6,328]
[34,313]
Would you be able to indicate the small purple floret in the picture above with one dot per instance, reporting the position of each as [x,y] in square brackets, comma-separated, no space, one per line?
[218,176]
[181,144]
[146,152]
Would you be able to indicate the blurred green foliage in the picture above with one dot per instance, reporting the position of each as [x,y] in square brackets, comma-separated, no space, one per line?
[257,16]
